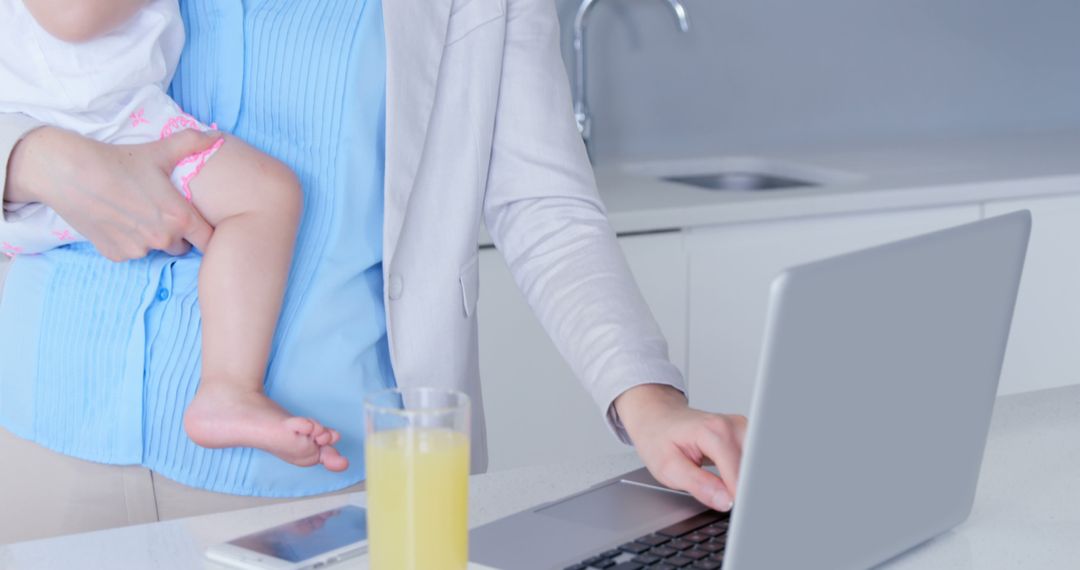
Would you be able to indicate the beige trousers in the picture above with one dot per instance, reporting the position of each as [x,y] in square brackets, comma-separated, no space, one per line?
[44,493]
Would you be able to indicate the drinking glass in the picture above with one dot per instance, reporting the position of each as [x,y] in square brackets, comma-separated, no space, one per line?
[417,455]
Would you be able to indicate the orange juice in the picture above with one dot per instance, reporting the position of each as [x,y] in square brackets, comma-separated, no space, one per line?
[417,499]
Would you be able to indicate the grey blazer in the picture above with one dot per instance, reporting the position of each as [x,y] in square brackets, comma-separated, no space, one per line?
[480,131]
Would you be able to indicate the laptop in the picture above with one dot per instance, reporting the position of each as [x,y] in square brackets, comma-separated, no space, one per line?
[870,416]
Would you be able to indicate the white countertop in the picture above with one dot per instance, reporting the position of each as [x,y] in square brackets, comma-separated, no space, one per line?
[1026,514]
[917,174]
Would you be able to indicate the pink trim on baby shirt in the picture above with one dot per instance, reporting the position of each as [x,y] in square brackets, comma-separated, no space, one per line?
[182,122]
[179,123]
[199,159]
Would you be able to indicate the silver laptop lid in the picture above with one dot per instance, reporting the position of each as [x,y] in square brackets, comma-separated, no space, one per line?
[874,398]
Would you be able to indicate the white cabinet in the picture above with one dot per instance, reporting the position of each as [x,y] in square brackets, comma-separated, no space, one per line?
[708,287]
[731,268]
[1044,346]
[536,410]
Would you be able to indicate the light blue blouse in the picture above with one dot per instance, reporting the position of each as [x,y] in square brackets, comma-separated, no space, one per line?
[101,359]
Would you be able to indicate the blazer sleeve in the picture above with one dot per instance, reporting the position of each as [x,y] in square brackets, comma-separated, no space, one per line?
[544,214]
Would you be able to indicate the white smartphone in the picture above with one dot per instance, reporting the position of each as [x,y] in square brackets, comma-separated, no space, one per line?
[311,542]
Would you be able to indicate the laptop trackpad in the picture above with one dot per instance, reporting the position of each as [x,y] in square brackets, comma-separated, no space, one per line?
[620,506]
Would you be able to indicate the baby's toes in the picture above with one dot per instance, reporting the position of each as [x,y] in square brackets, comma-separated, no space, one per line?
[302,451]
[331,459]
[324,438]
[334,436]
[302,426]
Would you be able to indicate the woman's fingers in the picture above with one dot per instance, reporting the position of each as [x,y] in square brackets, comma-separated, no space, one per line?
[178,247]
[682,474]
[177,227]
[183,222]
[673,440]
[741,424]
[169,151]
[173,235]
[720,443]
[199,231]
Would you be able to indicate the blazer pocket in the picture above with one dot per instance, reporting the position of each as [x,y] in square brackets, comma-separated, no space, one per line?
[469,278]
[468,15]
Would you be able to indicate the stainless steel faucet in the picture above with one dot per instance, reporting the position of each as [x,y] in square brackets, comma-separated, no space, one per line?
[581,105]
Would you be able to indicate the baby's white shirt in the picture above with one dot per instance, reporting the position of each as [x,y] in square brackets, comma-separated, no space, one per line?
[91,87]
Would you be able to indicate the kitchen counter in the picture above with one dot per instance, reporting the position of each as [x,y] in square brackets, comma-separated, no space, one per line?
[1026,514]
[918,174]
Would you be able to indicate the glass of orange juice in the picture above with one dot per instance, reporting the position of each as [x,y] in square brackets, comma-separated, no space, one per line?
[417,456]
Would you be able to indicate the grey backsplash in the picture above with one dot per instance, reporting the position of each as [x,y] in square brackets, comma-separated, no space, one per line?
[758,74]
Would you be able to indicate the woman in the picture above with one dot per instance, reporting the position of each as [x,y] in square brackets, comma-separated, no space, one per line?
[406,123]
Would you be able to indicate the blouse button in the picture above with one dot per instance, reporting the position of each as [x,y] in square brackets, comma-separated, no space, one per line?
[163,294]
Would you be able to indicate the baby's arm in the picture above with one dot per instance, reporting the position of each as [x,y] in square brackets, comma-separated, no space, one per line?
[82,20]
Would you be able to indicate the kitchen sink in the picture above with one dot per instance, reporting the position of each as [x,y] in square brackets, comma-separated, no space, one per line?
[745,181]
[740,174]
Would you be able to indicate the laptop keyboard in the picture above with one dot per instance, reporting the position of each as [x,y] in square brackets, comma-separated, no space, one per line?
[696,543]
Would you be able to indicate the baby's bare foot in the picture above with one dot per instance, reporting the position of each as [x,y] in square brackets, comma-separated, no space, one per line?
[226,416]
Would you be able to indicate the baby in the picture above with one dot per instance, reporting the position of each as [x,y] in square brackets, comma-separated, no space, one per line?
[100,68]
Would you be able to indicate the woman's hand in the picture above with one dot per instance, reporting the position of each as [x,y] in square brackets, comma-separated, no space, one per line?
[118,196]
[674,440]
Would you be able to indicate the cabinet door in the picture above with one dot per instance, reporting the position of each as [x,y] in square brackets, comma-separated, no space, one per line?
[1044,345]
[731,269]
[536,410]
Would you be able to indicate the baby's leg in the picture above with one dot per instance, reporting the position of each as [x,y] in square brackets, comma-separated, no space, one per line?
[253,202]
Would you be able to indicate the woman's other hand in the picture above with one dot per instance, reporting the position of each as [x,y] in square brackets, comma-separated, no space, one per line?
[118,196]
[675,440]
